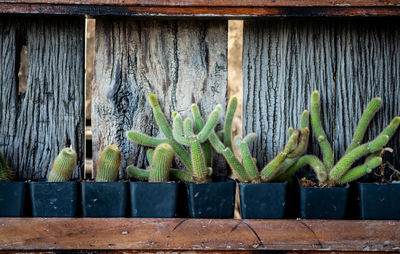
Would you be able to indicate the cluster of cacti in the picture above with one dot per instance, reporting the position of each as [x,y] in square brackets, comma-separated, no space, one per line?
[63,166]
[6,172]
[331,174]
[247,171]
[108,164]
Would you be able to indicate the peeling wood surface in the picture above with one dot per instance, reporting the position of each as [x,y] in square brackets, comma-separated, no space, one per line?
[182,62]
[197,234]
[38,123]
[348,62]
[247,11]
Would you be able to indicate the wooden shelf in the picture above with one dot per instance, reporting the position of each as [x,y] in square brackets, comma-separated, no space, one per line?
[205,8]
[197,234]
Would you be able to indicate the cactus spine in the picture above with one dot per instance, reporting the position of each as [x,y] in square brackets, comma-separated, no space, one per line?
[63,166]
[6,173]
[108,164]
[330,174]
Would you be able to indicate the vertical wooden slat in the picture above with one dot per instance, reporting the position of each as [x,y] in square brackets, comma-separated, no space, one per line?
[349,62]
[182,62]
[38,123]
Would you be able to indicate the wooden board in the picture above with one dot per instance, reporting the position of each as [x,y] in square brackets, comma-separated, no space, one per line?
[197,234]
[182,62]
[48,116]
[349,62]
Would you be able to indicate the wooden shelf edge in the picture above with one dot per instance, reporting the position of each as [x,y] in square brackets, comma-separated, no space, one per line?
[182,11]
[197,234]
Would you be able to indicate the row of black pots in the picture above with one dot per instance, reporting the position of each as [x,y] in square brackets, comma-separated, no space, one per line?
[211,200]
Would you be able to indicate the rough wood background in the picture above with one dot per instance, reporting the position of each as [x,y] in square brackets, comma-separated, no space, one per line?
[349,62]
[38,123]
[182,62]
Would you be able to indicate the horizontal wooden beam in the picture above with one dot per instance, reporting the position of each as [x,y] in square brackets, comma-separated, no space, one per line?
[196,9]
[197,234]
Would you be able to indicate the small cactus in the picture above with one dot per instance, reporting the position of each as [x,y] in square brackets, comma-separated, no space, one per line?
[108,164]
[63,166]
[331,174]
[6,172]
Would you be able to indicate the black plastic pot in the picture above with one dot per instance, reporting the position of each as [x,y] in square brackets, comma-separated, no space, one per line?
[211,200]
[379,201]
[323,203]
[12,199]
[104,199]
[262,201]
[153,200]
[54,199]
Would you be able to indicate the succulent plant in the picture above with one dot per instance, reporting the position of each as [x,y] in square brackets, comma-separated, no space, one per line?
[331,174]
[108,164]
[63,166]
[6,172]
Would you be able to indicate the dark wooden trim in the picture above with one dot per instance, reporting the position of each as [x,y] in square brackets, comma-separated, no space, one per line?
[251,11]
[197,234]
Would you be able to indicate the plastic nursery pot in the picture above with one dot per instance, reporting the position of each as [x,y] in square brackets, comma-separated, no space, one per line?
[379,201]
[12,199]
[55,199]
[323,202]
[104,199]
[211,200]
[262,200]
[153,200]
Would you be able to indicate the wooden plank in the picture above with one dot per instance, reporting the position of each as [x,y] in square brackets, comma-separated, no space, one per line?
[223,3]
[38,123]
[182,62]
[199,11]
[349,62]
[197,234]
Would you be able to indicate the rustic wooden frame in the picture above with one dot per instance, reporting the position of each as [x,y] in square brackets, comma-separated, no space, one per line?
[204,8]
[25,234]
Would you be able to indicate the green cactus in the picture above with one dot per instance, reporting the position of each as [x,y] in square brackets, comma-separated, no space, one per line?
[108,164]
[330,174]
[160,165]
[63,166]
[6,172]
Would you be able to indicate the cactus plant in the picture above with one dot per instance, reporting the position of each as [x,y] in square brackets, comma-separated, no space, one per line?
[331,174]
[6,172]
[247,171]
[63,166]
[108,164]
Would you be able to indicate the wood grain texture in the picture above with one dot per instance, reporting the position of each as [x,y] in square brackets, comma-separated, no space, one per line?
[349,62]
[48,116]
[197,234]
[182,62]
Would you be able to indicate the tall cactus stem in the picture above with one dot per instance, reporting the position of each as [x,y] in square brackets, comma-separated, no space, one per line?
[200,169]
[391,129]
[270,170]
[108,164]
[199,122]
[305,120]
[230,112]
[210,124]
[63,166]
[248,162]
[177,130]
[236,166]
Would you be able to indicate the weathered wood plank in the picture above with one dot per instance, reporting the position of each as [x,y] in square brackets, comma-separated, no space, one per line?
[182,62]
[349,62]
[197,234]
[48,116]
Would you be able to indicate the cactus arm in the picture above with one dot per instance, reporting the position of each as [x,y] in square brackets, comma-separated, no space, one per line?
[200,170]
[161,163]
[143,139]
[137,173]
[230,112]
[216,143]
[182,153]
[357,172]
[108,164]
[316,164]
[319,132]
[236,166]
[362,126]
[248,163]
[177,130]
[302,144]
[344,164]
[250,138]
[305,120]
[199,122]
[63,166]
[271,169]
[292,142]
[188,128]
[210,124]
[149,155]
[391,129]
[182,176]
[159,116]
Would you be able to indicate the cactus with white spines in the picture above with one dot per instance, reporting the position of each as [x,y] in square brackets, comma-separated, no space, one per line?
[63,166]
[108,164]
